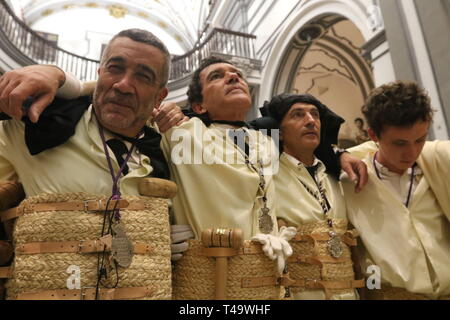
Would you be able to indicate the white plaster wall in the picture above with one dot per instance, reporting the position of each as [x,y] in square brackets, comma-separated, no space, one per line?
[425,68]
[267,17]
[355,11]
[275,22]
[383,70]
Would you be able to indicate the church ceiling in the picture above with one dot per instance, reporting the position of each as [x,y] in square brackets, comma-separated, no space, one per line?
[180,19]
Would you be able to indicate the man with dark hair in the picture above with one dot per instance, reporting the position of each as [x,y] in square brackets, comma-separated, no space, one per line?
[72,155]
[309,198]
[403,213]
[220,98]
[132,81]
[224,176]
[143,36]
[195,88]
[399,104]
[222,166]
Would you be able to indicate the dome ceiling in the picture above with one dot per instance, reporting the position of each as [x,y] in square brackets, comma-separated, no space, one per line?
[180,20]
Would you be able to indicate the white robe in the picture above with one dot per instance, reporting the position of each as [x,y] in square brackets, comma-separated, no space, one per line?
[411,246]
[78,165]
[298,207]
[222,194]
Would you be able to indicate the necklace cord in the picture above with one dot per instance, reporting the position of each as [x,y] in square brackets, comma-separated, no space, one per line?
[411,184]
[110,216]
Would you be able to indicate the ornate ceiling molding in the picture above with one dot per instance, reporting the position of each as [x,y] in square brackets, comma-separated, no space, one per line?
[175,21]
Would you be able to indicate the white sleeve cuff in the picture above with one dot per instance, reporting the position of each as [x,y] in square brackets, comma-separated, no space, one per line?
[71,88]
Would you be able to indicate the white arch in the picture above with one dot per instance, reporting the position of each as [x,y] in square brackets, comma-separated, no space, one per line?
[33,12]
[353,10]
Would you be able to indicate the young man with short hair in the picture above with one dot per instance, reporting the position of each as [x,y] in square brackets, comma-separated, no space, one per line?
[403,213]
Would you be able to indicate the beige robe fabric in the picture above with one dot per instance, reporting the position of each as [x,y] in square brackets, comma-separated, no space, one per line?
[298,207]
[213,192]
[209,195]
[411,246]
[78,165]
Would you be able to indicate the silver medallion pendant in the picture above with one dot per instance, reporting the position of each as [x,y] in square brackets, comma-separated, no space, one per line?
[122,247]
[265,221]
[335,245]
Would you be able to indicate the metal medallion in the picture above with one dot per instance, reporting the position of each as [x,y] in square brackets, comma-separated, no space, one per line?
[122,247]
[265,221]
[335,245]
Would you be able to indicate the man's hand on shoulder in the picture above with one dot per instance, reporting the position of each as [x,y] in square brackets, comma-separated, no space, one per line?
[168,115]
[355,169]
[40,82]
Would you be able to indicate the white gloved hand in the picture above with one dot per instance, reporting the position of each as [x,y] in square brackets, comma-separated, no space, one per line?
[179,234]
[277,246]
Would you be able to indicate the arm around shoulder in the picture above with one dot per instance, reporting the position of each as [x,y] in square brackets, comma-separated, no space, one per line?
[71,88]
[363,150]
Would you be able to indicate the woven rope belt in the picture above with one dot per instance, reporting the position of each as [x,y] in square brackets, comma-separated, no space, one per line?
[89,294]
[89,205]
[249,248]
[307,284]
[194,275]
[321,260]
[88,246]
[55,232]
[257,282]
[349,237]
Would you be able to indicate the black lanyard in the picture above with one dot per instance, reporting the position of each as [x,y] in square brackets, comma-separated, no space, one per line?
[320,196]
[265,222]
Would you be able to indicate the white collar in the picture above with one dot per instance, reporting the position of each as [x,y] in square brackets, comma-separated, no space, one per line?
[386,173]
[297,162]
